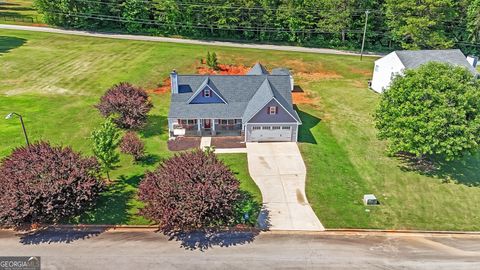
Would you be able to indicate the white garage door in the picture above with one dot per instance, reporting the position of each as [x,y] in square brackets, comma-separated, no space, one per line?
[270,133]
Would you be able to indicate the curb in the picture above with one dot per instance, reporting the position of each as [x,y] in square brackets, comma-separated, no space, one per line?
[340,231]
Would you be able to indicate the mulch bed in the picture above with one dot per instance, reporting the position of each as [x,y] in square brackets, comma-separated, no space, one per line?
[228,142]
[184,143]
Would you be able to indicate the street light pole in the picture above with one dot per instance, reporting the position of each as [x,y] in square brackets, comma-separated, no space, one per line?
[364,33]
[10,115]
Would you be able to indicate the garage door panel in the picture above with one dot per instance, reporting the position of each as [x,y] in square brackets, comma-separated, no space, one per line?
[270,133]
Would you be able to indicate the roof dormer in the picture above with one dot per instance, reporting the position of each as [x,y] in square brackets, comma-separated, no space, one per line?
[207,93]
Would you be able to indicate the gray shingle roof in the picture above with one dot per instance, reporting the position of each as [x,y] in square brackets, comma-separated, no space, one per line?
[414,59]
[243,94]
[280,71]
[258,69]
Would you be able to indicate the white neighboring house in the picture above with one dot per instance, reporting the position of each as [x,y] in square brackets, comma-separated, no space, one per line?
[393,64]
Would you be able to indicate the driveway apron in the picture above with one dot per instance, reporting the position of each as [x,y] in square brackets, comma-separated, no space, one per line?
[279,171]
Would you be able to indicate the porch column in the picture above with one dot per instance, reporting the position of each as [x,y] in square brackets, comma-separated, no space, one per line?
[199,127]
[213,127]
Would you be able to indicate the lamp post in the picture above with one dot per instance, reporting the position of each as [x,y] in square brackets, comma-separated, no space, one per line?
[10,115]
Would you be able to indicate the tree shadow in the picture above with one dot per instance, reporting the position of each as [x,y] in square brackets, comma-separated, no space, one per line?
[48,235]
[9,43]
[149,159]
[464,171]
[263,221]
[205,239]
[156,125]
[308,122]
[113,206]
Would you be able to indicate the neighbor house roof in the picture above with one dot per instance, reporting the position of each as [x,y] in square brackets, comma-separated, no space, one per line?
[244,96]
[414,59]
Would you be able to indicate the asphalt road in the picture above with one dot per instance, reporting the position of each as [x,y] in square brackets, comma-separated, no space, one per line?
[180,40]
[66,249]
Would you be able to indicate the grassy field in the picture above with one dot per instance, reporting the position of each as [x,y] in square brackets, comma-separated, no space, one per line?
[54,81]
[19,12]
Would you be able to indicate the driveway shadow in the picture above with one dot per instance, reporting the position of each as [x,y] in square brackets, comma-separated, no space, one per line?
[49,235]
[203,240]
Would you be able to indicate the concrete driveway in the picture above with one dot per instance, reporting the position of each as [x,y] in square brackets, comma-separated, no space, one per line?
[279,171]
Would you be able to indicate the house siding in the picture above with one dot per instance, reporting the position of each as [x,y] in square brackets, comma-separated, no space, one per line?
[282,116]
[200,99]
[385,69]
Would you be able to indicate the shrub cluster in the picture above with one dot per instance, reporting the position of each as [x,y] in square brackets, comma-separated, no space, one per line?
[128,104]
[131,144]
[191,190]
[45,184]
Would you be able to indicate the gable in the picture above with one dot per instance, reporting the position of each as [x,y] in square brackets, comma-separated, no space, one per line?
[201,98]
[206,93]
[281,115]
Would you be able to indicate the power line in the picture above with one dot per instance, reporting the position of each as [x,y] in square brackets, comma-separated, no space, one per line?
[201,26]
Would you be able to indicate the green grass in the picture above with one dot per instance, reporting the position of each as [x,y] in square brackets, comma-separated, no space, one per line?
[19,12]
[54,81]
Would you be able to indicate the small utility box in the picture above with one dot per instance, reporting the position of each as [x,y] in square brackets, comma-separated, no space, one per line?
[370,199]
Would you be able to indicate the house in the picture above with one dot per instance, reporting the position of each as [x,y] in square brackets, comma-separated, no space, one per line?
[257,105]
[387,67]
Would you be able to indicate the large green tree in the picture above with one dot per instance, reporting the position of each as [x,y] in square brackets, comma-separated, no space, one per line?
[421,24]
[431,111]
[473,18]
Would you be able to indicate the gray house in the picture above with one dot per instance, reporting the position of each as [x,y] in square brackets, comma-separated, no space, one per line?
[257,105]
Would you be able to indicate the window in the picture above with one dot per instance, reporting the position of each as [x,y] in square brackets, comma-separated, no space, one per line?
[206,93]
[377,68]
[227,121]
[272,110]
[286,128]
[185,122]
[256,128]
[266,128]
[275,128]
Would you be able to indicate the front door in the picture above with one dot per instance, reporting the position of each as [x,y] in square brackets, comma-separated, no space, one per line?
[207,123]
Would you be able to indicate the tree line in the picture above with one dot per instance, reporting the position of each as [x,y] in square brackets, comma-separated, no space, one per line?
[408,24]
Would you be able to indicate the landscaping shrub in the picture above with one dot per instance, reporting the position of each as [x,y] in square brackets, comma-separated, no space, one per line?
[191,190]
[128,104]
[132,145]
[45,184]
[105,142]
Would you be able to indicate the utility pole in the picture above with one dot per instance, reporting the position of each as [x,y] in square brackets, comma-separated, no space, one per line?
[364,33]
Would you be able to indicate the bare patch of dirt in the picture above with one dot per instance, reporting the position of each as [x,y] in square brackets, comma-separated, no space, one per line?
[224,70]
[319,75]
[163,89]
[359,84]
[228,142]
[364,72]
[303,98]
[183,143]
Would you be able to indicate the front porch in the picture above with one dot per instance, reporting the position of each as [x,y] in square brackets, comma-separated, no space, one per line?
[205,127]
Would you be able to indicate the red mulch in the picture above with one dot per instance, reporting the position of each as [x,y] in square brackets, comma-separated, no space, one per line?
[224,70]
[183,143]
[203,70]
[228,142]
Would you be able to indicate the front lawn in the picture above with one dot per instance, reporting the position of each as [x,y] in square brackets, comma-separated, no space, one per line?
[54,81]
